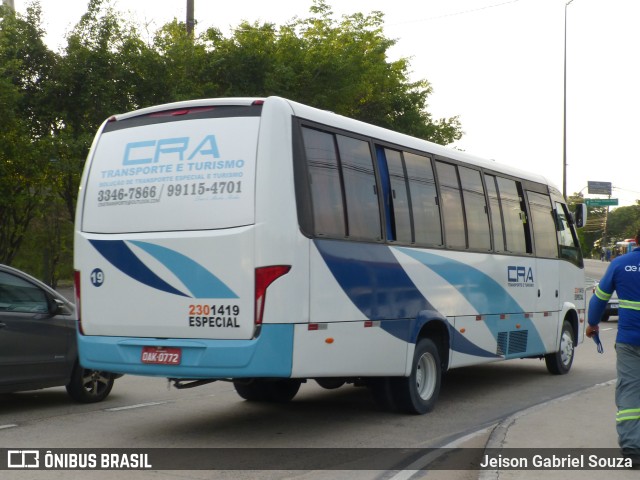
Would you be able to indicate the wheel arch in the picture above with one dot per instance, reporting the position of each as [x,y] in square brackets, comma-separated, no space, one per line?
[434,326]
[572,318]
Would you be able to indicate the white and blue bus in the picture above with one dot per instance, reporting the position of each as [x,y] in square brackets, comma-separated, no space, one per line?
[265,242]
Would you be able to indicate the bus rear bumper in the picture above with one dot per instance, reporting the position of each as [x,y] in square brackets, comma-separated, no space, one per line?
[268,355]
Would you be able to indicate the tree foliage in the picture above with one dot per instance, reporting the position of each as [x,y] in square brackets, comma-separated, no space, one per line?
[25,68]
[605,227]
[624,222]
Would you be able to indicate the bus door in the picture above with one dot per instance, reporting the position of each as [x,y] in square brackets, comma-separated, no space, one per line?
[570,266]
[547,283]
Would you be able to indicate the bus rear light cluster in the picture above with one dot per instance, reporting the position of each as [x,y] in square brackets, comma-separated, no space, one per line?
[76,288]
[265,276]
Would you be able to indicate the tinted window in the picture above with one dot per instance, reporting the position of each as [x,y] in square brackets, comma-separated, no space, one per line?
[424,200]
[399,196]
[513,215]
[159,174]
[567,239]
[496,213]
[544,228]
[475,206]
[324,177]
[363,215]
[451,205]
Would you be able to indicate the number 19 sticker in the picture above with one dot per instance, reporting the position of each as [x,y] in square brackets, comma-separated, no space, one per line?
[97,277]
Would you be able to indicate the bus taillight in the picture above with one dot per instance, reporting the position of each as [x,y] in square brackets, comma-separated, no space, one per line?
[265,276]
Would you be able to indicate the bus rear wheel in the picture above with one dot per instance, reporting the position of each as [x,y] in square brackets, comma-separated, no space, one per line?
[418,393]
[277,391]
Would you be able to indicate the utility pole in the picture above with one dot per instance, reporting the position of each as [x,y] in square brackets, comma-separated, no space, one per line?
[564,117]
[190,17]
[10,4]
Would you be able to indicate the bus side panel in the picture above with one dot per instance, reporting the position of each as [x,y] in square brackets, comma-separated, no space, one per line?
[493,299]
[355,292]
[345,349]
[278,237]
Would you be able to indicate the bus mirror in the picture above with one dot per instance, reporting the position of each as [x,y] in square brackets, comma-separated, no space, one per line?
[580,215]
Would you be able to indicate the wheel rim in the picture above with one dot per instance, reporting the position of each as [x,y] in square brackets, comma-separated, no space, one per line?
[426,372]
[566,348]
[95,382]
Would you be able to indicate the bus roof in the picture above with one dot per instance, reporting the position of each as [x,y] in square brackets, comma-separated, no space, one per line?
[356,126]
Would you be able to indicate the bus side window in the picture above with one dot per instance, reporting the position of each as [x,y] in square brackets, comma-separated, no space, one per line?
[363,211]
[454,225]
[496,214]
[515,220]
[324,178]
[424,200]
[567,238]
[398,197]
[544,225]
[475,207]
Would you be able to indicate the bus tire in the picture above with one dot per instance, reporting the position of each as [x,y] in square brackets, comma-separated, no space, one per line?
[417,394]
[559,362]
[277,391]
[251,390]
[381,390]
[282,391]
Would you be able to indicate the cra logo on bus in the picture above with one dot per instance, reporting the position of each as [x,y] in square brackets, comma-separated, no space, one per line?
[520,276]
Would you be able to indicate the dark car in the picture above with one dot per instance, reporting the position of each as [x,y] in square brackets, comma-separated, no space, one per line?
[38,347]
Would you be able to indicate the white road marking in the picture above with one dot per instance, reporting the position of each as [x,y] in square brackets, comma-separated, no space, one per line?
[131,407]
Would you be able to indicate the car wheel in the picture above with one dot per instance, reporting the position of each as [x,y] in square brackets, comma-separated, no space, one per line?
[559,363]
[89,386]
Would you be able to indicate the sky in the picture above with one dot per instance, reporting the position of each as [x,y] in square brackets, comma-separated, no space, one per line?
[497,64]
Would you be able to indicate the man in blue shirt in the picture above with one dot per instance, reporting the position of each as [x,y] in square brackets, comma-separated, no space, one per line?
[623,276]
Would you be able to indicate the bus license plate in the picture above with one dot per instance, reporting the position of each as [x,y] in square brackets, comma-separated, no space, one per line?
[161,356]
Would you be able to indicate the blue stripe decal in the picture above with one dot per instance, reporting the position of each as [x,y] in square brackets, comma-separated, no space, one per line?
[480,290]
[120,256]
[200,281]
[483,293]
[373,279]
[378,286]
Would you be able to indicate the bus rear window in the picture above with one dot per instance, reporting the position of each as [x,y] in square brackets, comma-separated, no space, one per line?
[174,174]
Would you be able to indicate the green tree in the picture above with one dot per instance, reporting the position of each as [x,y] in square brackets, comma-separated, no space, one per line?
[106,69]
[623,223]
[25,67]
[338,65]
